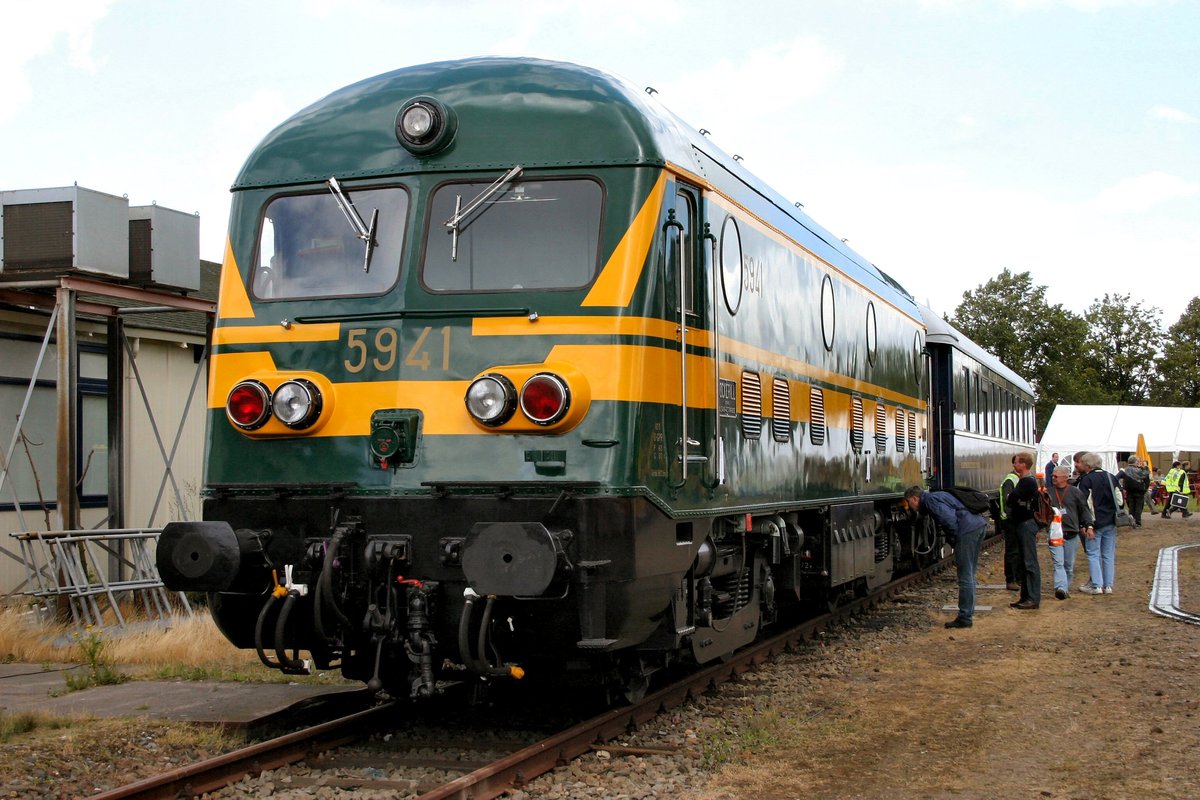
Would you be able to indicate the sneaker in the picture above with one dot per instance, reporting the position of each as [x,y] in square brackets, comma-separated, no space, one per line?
[1087,588]
[959,622]
[1108,590]
[1061,594]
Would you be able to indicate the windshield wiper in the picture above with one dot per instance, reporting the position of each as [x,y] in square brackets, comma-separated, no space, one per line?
[361,229]
[461,213]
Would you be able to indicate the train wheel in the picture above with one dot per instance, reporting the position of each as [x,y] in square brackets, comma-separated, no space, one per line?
[926,546]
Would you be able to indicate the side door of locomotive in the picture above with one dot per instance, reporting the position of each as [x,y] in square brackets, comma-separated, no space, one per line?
[691,439]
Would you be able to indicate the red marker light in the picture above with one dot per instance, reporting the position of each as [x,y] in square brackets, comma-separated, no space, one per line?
[545,398]
[248,405]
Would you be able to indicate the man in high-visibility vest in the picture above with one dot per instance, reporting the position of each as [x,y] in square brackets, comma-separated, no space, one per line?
[1012,544]
[1177,483]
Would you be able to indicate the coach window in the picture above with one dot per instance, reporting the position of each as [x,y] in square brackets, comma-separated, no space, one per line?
[977,394]
[307,246]
[966,397]
[542,234]
[985,409]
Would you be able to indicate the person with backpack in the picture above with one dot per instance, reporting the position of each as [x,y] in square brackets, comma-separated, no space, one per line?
[1176,482]
[1019,505]
[1076,520]
[1101,489]
[1136,480]
[1012,545]
[967,529]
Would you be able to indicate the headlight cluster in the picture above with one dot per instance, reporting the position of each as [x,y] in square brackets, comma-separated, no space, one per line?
[295,403]
[492,399]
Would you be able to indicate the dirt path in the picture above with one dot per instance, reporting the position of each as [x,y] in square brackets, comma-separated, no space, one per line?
[1092,697]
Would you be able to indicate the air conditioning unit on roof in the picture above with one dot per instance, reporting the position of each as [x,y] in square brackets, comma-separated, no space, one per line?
[46,233]
[164,248]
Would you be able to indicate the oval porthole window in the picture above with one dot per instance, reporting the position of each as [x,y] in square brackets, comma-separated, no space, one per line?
[731,264]
[872,338]
[828,316]
[917,349]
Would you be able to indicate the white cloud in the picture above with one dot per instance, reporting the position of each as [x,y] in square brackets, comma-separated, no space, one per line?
[1173,115]
[33,30]
[1145,192]
[730,96]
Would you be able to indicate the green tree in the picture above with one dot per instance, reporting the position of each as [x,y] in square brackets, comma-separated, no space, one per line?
[1043,343]
[1123,342]
[1178,382]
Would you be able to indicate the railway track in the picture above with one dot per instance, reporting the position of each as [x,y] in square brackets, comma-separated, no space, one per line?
[345,754]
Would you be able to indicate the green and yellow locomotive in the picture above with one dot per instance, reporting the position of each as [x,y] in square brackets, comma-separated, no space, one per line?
[513,370]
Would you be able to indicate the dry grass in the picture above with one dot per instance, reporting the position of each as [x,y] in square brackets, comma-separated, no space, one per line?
[192,641]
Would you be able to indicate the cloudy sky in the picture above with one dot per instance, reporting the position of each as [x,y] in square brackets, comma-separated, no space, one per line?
[946,140]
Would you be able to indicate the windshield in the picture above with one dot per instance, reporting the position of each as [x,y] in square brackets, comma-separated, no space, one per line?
[308,247]
[525,235]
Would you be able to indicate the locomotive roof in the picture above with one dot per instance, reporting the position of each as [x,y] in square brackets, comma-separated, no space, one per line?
[523,111]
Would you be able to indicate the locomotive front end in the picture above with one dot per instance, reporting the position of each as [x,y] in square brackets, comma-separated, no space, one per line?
[423,440]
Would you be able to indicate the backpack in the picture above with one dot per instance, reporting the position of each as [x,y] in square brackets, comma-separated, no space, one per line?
[1043,511]
[973,500]
[1136,482]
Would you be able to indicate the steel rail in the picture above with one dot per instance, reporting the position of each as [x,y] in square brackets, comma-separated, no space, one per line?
[223,770]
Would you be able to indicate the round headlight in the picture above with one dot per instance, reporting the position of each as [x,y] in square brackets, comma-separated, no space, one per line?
[417,121]
[545,398]
[491,399]
[248,405]
[425,125]
[297,403]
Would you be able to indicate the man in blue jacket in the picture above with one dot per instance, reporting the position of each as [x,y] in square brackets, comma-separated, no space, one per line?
[966,531]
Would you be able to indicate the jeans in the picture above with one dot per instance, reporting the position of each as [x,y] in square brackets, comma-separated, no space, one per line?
[966,558]
[1031,572]
[1063,557]
[1102,556]
[1108,554]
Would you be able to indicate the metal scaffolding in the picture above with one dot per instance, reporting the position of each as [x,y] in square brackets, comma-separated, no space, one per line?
[72,565]
[77,567]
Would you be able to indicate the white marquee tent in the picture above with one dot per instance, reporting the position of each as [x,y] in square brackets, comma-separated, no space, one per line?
[1171,433]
